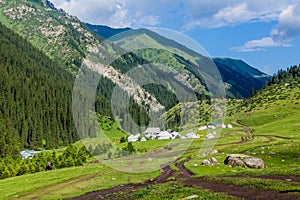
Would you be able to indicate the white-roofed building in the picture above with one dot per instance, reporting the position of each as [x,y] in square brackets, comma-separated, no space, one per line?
[133,138]
[164,135]
[202,128]
[191,135]
[28,154]
[175,135]
[152,130]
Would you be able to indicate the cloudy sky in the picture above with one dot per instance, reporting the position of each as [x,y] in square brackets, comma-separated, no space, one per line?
[264,33]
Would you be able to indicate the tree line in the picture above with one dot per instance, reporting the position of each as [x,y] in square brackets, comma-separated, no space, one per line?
[73,155]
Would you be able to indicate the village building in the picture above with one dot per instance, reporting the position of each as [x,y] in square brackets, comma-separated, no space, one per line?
[191,135]
[229,126]
[202,128]
[175,135]
[152,130]
[164,135]
[133,138]
[28,154]
[215,124]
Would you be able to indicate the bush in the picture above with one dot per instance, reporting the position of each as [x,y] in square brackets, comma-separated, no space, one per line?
[123,139]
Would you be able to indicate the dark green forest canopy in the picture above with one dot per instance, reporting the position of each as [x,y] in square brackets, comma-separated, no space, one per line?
[35,95]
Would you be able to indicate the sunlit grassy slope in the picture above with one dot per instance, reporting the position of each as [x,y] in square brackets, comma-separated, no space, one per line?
[266,125]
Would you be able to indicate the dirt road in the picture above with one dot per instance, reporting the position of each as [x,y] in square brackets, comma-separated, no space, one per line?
[185,177]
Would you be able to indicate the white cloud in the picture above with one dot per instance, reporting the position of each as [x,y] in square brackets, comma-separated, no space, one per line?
[288,24]
[259,45]
[188,14]
[215,13]
[114,13]
[288,28]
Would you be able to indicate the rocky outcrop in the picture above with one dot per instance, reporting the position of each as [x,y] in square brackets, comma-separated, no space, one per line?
[241,160]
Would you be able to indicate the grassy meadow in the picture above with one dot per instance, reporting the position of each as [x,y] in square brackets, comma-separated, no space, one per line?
[268,130]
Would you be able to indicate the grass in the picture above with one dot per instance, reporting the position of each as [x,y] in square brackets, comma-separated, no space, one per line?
[172,191]
[274,137]
[66,183]
[13,187]
[280,155]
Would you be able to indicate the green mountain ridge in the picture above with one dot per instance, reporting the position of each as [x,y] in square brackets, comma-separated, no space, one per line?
[238,76]
[249,78]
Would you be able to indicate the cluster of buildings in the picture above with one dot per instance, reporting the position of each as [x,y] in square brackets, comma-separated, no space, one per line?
[154,133]
[157,134]
[214,125]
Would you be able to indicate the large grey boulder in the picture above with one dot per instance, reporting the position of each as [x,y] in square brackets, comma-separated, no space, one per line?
[242,160]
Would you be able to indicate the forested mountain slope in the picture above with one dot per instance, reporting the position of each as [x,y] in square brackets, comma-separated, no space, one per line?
[35,97]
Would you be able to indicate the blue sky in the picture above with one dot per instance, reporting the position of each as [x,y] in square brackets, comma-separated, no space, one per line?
[265,34]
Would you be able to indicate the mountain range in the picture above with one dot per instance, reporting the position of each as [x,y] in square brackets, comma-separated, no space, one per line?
[68,43]
[240,77]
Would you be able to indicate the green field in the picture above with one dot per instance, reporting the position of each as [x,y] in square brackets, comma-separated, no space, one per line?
[269,131]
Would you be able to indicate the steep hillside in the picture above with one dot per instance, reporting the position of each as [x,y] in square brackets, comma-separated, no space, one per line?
[69,42]
[61,36]
[282,89]
[35,97]
[240,78]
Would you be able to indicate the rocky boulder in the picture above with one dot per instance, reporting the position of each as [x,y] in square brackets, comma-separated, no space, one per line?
[210,162]
[242,160]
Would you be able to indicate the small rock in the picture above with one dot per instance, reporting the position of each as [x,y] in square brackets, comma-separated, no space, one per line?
[214,161]
[113,179]
[272,153]
[262,152]
[206,163]
[288,179]
[214,151]
[233,171]
[191,197]
[195,165]
[210,162]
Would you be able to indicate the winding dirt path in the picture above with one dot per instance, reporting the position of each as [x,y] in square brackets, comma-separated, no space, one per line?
[165,173]
[238,191]
[186,178]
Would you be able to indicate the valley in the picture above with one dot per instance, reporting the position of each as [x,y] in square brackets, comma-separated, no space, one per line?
[137,117]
